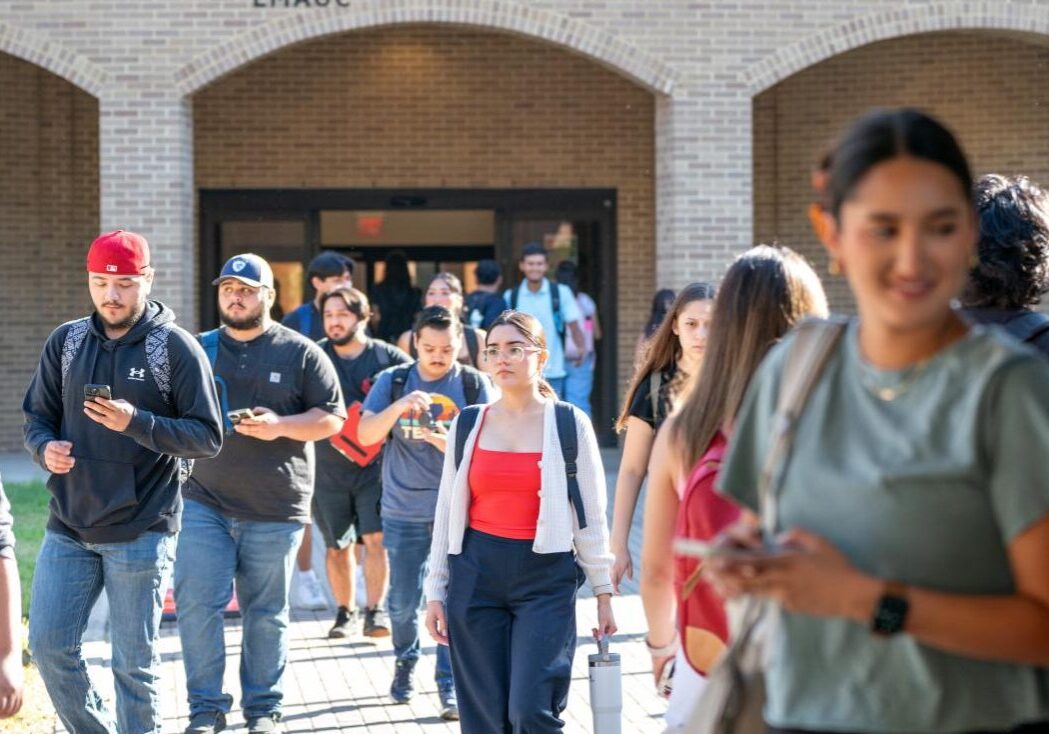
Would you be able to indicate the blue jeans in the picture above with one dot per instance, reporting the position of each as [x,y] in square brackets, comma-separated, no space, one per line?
[213,550]
[69,577]
[579,383]
[558,383]
[408,547]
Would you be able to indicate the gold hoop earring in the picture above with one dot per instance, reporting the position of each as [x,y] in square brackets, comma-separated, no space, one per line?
[833,266]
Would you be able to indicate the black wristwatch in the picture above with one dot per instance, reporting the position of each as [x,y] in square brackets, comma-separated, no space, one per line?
[890,614]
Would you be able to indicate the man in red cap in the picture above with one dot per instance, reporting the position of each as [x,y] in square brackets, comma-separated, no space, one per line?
[121,402]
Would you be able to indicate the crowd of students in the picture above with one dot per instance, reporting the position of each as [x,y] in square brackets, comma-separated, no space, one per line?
[897,534]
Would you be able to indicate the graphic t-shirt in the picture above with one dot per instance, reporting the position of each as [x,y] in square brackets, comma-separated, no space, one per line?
[411,467]
[356,377]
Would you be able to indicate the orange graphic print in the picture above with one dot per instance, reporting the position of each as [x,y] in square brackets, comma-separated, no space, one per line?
[443,410]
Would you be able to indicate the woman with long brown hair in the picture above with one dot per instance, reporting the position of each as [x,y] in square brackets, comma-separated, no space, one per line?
[672,357]
[503,575]
[764,293]
[445,289]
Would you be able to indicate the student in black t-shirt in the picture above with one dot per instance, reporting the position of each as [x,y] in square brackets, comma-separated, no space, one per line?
[245,509]
[673,356]
[347,495]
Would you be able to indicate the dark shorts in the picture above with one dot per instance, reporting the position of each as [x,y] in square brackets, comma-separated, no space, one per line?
[346,502]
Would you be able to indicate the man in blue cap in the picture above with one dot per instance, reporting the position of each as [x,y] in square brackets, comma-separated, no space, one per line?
[245,508]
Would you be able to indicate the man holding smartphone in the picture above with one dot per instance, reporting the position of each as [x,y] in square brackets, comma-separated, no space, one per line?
[415,404]
[245,508]
[120,401]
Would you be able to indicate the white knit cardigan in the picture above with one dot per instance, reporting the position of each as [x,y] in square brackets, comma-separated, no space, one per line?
[557,530]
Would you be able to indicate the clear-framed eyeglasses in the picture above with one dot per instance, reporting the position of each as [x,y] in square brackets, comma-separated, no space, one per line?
[514,353]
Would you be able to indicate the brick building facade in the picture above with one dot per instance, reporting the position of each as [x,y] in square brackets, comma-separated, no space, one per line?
[702,118]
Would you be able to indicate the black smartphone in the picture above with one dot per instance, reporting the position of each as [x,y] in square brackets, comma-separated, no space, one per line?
[97,391]
[236,416]
[426,420]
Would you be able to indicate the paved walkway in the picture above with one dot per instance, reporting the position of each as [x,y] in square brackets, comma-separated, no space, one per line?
[341,685]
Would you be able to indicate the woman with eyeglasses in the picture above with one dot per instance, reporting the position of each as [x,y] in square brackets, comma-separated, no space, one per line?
[446,290]
[509,550]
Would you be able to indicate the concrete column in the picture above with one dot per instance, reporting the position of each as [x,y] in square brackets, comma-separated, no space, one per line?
[146,185]
[703,174]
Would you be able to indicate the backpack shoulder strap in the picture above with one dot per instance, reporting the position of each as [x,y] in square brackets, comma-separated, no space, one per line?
[473,344]
[382,357]
[398,380]
[814,342]
[74,339]
[555,308]
[306,323]
[1028,327]
[513,296]
[569,440]
[158,359]
[467,419]
[472,380]
[210,341]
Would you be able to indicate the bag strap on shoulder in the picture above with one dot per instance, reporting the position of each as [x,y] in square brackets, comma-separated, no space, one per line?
[397,381]
[1028,327]
[566,435]
[473,344]
[815,340]
[467,420]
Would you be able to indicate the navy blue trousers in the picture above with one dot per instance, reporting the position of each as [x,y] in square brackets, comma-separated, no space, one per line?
[511,627]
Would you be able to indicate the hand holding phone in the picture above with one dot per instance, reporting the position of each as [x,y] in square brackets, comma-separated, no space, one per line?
[426,420]
[708,551]
[92,391]
[241,414]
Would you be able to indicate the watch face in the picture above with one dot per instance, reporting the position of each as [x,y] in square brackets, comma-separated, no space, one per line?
[890,615]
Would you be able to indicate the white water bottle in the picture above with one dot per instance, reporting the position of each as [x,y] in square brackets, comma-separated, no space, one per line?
[606,689]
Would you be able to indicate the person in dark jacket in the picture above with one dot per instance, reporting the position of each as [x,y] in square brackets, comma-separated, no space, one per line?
[1011,271]
[119,404]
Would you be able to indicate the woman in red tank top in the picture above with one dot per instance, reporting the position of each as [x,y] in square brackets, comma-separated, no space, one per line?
[502,585]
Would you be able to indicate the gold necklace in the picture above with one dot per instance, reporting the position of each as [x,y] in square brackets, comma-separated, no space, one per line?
[888,393]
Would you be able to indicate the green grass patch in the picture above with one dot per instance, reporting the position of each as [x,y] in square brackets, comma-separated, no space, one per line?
[29,506]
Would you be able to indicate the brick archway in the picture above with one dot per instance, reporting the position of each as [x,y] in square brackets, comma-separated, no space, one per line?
[498,15]
[996,15]
[35,49]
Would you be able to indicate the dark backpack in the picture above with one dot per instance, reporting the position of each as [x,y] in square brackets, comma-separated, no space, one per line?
[472,381]
[1028,327]
[555,306]
[566,434]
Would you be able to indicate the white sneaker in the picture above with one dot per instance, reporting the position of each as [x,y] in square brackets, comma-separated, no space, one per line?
[306,592]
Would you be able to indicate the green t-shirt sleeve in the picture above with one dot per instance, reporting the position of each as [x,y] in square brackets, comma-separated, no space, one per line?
[749,442]
[1015,437]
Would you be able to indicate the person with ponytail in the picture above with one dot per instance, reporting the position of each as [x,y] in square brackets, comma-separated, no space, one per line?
[501,589]
[673,356]
[764,293]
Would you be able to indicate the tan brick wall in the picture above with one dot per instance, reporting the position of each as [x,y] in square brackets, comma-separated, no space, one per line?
[48,214]
[440,107]
[990,91]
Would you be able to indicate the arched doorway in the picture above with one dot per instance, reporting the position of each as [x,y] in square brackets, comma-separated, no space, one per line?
[323,140]
[988,86]
[49,211]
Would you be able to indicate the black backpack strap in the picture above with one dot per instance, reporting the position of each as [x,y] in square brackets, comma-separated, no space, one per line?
[467,420]
[471,385]
[513,296]
[566,435]
[555,307]
[397,380]
[1028,327]
[473,344]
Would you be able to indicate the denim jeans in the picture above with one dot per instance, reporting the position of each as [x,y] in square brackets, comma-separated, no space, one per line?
[408,547]
[69,577]
[579,383]
[213,551]
[558,384]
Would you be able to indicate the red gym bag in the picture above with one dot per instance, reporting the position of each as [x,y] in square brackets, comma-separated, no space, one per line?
[347,444]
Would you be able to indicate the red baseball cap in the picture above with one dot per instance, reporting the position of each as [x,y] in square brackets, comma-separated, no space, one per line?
[118,253]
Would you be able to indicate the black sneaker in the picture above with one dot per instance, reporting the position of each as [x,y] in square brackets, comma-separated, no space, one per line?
[449,704]
[376,623]
[345,624]
[401,689]
[269,724]
[206,722]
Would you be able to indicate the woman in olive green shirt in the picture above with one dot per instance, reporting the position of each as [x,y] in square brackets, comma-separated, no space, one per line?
[913,573]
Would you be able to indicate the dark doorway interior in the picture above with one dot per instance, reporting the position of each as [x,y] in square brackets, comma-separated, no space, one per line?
[438,229]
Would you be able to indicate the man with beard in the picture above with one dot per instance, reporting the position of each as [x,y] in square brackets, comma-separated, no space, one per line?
[415,404]
[119,403]
[245,508]
[347,496]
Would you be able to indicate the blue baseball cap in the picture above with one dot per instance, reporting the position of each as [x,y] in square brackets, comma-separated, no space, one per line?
[247,268]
